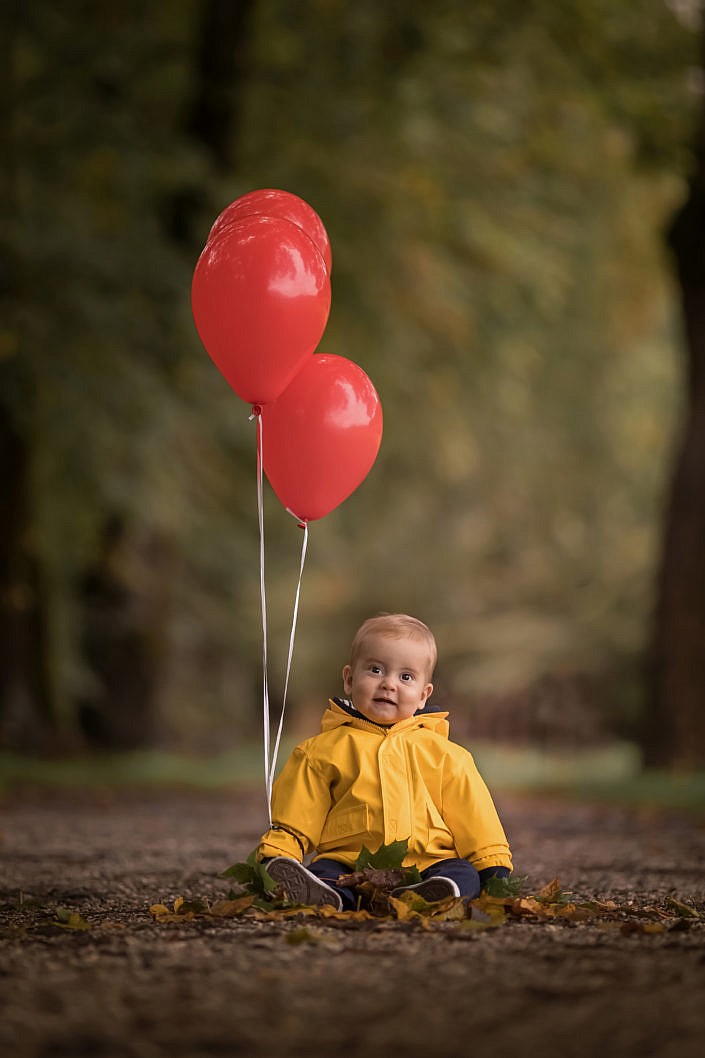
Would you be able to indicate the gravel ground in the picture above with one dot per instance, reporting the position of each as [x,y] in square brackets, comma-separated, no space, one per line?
[626,983]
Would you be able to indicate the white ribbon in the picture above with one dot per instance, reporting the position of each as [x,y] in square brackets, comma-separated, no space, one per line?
[270,756]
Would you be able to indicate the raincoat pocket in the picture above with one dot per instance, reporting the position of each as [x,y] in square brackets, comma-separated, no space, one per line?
[436,838]
[344,824]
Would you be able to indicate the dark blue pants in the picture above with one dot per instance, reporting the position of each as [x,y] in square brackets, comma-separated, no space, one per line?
[461,871]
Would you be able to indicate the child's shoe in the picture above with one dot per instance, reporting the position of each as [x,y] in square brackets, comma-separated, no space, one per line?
[432,889]
[300,885]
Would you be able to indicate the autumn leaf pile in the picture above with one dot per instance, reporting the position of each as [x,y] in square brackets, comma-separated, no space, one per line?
[377,875]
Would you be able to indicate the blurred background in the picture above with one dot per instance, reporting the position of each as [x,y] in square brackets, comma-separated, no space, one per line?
[514,196]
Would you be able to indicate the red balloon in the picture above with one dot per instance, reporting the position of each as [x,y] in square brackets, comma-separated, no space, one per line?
[273,203]
[321,436]
[260,298]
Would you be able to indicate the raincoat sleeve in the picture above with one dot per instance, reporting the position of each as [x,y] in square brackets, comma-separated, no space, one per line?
[470,814]
[301,800]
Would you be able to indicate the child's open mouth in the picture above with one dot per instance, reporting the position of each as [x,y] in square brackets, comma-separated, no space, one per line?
[384,701]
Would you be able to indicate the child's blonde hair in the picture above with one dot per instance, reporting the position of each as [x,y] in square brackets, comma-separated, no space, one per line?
[397,626]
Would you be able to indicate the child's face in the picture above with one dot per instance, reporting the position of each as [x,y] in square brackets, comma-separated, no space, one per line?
[388,681]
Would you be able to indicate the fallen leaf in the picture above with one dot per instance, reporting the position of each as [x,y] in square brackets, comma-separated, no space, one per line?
[231,908]
[574,913]
[602,905]
[553,894]
[386,856]
[489,909]
[329,912]
[550,891]
[181,911]
[681,909]
[410,905]
[68,919]
[159,909]
[379,877]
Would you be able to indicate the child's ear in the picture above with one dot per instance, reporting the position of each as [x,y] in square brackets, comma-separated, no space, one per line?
[427,692]
[347,679]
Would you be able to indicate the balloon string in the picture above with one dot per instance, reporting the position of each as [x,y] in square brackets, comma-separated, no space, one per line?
[263,598]
[270,756]
[304,546]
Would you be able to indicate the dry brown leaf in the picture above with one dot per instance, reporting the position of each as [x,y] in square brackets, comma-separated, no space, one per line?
[550,892]
[328,912]
[680,909]
[379,877]
[231,908]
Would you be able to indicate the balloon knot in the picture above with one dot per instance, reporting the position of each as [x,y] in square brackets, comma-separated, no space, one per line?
[256,411]
[302,525]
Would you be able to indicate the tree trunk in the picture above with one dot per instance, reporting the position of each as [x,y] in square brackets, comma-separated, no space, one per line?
[675,731]
[214,116]
[25,687]
[222,70]
[26,704]
[124,603]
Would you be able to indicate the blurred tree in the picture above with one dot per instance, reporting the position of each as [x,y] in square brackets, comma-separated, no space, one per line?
[674,732]
[101,408]
[497,179]
[493,178]
[25,685]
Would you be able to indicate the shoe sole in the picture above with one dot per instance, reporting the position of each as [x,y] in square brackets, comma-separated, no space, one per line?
[301,886]
[431,890]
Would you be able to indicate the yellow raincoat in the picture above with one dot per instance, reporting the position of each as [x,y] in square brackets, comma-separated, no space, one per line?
[357,783]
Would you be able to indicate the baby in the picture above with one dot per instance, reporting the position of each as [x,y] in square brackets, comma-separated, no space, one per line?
[382,769]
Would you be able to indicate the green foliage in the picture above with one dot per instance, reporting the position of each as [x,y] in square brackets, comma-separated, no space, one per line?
[495,179]
[253,875]
[387,856]
[498,272]
[514,885]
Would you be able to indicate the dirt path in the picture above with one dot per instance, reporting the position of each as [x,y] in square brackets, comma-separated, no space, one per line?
[129,987]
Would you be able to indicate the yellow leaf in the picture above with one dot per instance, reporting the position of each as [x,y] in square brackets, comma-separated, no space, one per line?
[159,909]
[278,913]
[413,901]
[493,907]
[70,919]
[231,908]
[451,910]
[344,916]
[162,913]
[526,905]
[402,909]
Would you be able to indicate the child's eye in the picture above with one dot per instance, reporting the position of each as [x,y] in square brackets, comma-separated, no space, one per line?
[375,669]
[407,676]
